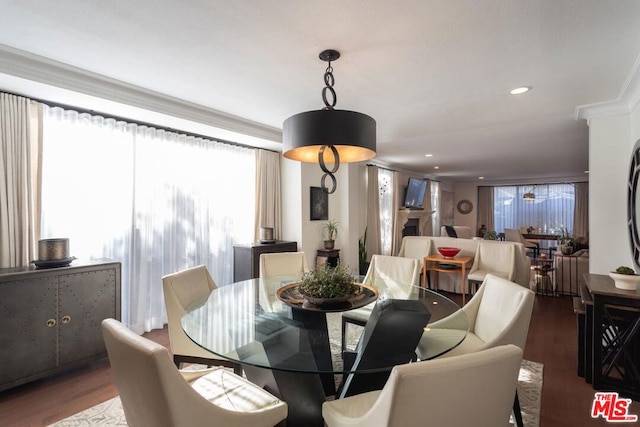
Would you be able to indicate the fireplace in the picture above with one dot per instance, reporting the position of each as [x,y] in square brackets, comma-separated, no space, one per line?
[411,227]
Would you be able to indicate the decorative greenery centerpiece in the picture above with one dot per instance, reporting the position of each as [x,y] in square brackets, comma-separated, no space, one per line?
[625,278]
[326,284]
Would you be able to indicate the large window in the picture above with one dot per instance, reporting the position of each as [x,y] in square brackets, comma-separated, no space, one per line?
[385,182]
[156,201]
[548,212]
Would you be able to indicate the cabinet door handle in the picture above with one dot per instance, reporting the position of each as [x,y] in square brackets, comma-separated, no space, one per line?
[51,323]
[66,319]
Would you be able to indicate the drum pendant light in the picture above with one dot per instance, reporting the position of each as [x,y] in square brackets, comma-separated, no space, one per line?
[329,135]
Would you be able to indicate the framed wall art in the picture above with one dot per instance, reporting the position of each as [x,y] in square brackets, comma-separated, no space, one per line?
[319,204]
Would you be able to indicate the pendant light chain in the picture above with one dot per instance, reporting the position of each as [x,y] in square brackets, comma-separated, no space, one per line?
[343,136]
[329,81]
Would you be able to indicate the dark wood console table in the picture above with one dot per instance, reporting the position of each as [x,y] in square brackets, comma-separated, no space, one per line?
[246,258]
[616,337]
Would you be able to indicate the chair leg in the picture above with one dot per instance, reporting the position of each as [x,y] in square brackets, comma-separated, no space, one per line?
[344,336]
[517,415]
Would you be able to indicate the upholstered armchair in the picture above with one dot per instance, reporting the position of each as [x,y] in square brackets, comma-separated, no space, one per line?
[499,313]
[277,264]
[181,289]
[493,258]
[282,263]
[154,393]
[424,393]
[393,276]
[514,235]
[416,247]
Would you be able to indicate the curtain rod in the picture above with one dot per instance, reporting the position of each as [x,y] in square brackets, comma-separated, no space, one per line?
[135,122]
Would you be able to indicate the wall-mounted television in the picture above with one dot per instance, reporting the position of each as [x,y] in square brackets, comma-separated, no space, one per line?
[414,196]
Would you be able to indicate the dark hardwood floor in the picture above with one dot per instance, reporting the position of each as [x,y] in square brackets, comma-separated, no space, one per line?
[566,398]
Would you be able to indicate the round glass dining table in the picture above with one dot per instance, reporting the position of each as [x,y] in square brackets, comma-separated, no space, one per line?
[293,349]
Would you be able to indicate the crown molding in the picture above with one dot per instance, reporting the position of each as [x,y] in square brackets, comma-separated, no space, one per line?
[625,102]
[39,69]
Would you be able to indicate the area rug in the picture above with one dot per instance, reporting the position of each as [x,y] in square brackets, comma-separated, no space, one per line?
[110,413]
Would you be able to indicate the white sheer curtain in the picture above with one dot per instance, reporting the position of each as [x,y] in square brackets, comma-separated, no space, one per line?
[20,179]
[373,212]
[156,201]
[551,211]
[268,204]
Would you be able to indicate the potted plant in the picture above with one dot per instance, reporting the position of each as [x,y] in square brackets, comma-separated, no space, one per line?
[565,242]
[362,253]
[490,235]
[330,232]
[625,278]
[325,285]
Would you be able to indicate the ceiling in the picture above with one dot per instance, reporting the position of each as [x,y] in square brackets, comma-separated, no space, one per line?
[434,74]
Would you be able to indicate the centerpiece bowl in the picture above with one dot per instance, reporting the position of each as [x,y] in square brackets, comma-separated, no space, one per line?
[448,252]
[328,286]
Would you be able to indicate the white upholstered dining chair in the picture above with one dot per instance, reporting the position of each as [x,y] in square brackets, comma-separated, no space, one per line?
[180,290]
[497,258]
[393,276]
[514,235]
[282,263]
[277,264]
[425,393]
[498,314]
[155,393]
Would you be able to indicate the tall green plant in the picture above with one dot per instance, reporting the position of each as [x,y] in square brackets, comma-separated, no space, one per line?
[362,247]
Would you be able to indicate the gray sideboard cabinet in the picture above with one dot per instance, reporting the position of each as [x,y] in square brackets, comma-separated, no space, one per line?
[50,319]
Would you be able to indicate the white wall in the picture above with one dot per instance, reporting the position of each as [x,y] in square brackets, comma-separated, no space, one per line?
[611,140]
[347,206]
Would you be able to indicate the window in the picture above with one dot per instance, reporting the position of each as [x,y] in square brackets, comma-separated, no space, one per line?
[435,206]
[385,182]
[551,210]
[156,201]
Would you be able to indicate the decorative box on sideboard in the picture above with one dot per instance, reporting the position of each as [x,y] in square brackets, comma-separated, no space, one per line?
[51,318]
[246,258]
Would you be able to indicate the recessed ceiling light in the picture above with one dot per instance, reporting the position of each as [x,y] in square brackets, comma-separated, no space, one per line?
[436,167]
[428,155]
[481,177]
[520,90]
[586,171]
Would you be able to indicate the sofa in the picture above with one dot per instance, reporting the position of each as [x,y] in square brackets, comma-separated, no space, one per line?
[570,271]
[419,246]
[462,231]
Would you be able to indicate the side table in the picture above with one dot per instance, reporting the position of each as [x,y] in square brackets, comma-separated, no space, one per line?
[437,263]
[327,256]
[543,276]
